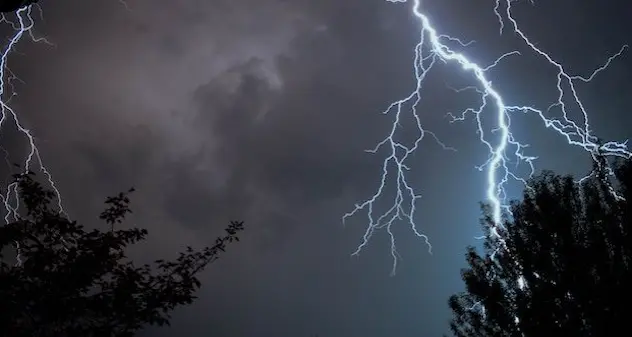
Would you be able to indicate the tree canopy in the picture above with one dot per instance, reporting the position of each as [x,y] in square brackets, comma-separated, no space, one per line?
[71,281]
[564,268]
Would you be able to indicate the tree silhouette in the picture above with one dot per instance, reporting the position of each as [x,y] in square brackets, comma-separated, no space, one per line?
[566,265]
[74,282]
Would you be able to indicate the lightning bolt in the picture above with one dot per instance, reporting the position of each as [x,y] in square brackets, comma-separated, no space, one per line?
[21,24]
[504,149]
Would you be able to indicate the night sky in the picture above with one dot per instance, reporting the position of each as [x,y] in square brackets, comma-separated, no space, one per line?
[260,110]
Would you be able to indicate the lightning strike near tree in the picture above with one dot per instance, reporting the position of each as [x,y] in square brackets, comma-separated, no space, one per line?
[503,149]
[21,24]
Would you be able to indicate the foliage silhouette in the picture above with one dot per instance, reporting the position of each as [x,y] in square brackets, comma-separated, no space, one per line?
[75,282]
[567,266]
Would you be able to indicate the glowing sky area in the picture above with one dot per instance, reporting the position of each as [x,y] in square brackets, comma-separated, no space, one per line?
[505,150]
[263,111]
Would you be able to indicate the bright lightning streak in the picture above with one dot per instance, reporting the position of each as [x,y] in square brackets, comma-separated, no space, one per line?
[431,48]
[21,24]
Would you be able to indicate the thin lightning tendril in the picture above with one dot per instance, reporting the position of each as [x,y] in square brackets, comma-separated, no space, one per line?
[21,23]
[432,47]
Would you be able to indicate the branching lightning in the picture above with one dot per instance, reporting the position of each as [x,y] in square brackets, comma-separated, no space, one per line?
[502,150]
[21,24]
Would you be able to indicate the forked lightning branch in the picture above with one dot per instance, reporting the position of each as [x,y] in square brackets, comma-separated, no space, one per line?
[502,147]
